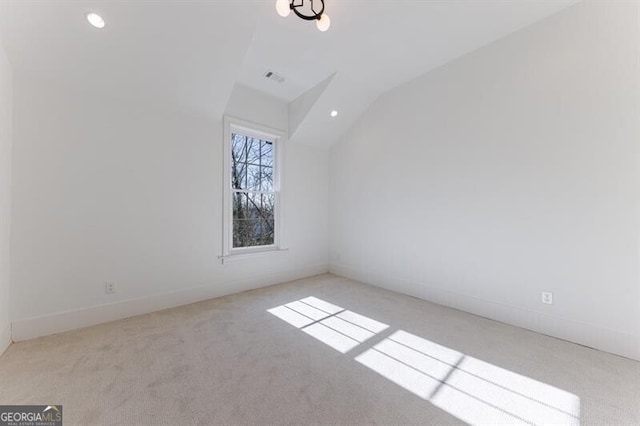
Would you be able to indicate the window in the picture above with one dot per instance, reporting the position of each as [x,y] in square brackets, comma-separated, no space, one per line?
[252,188]
[253,196]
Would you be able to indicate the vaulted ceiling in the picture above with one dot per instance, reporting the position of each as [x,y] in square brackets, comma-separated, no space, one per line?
[191,53]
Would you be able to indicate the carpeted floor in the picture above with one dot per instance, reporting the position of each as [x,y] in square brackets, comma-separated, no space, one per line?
[339,352]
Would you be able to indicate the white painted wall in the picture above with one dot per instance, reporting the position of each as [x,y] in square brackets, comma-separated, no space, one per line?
[508,172]
[106,190]
[254,106]
[6,109]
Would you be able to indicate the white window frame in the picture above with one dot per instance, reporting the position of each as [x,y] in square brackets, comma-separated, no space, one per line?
[278,138]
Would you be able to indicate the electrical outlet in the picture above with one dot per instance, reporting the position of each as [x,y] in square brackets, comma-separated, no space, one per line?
[110,287]
[547,298]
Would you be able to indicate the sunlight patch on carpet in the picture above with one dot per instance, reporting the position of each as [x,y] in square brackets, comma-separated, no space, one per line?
[470,389]
[337,327]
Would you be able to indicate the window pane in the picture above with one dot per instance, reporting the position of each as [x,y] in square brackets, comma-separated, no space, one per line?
[253,206]
[239,205]
[268,204]
[253,223]
[253,151]
[243,223]
[253,178]
[243,233]
[238,148]
[266,179]
[239,175]
[266,153]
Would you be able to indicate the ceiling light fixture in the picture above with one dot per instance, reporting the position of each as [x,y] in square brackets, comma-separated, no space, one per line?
[334,113]
[95,20]
[306,10]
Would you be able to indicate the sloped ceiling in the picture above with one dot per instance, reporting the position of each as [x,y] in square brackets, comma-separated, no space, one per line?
[191,53]
[184,53]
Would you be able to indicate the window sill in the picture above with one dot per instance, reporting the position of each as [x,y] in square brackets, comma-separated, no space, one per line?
[250,254]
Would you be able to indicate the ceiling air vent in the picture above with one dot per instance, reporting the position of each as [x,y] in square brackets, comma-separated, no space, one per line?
[274,76]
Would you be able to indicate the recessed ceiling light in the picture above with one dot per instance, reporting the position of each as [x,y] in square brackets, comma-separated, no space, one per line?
[95,20]
[334,113]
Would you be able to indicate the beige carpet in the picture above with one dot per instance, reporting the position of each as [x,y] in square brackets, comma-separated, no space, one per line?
[339,352]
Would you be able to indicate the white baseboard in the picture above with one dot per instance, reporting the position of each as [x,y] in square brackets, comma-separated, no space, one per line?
[5,337]
[29,328]
[612,341]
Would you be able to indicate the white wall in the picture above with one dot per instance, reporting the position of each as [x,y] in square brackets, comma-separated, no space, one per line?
[105,190]
[6,108]
[254,106]
[508,172]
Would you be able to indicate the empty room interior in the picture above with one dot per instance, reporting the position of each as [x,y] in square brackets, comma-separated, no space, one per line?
[297,212]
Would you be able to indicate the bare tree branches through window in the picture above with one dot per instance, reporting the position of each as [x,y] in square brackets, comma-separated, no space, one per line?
[253,195]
